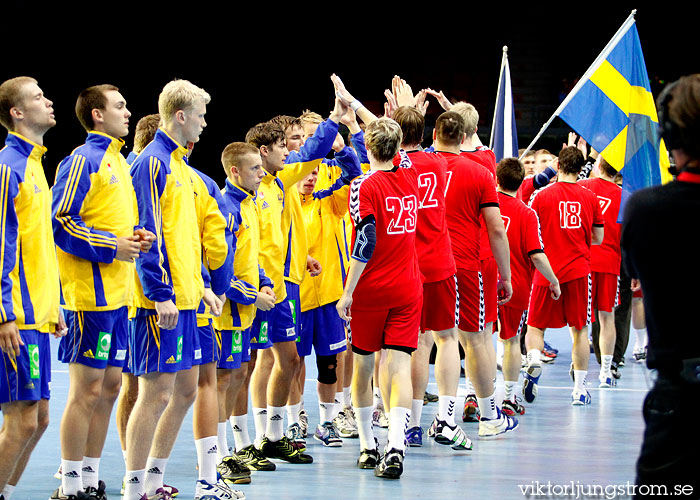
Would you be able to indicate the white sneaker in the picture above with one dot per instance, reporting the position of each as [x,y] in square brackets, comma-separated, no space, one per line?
[217,491]
[490,428]
[379,418]
[580,398]
[452,436]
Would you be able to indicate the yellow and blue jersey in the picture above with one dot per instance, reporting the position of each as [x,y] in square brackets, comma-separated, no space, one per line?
[243,216]
[28,266]
[172,269]
[93,204]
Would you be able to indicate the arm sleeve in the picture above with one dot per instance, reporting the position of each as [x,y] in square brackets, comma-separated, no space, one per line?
[300,164]
[264,279]
[358,142]
[149,179]
[9,232]
[217,242]
[543,178]
[70,232]
[365,239]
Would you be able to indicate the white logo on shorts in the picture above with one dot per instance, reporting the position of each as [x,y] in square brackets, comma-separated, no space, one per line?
[198,354]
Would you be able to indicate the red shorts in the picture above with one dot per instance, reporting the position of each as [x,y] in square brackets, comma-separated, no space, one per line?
[440,307]
[489,275]
[638,294]
[573,307]
[470,289]
[606,291]
[374,329]
[511,321]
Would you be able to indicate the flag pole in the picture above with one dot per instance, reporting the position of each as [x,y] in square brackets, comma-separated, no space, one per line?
[500,80]
[586,76]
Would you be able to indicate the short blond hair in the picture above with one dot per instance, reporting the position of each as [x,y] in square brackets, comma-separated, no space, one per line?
[383,138]
[309,116]
[179,95]
[234,152]
[10,96]
[470,116]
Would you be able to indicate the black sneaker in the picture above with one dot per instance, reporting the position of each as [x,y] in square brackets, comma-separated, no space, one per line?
[58,495]
[390,466]
[430,398]
[253,458]
[97,493]
[368,459]
[284,450]
[232,470]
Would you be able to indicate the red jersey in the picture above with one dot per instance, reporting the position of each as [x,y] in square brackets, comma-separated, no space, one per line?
[606,257]
[470,187]
[523,230]
[392,277]
[432,237]
[567,212]
[486,158]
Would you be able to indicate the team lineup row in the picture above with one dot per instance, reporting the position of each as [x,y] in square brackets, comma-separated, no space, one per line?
[168,291]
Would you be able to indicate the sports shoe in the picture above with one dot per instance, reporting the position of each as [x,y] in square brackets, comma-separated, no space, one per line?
[471,409]
[295,436]
[304,423]
[492,427]
[452,436]
[640,354]
[580,398]
[512,407]
[615,371]
[171,490]
[218,491]
[253,458]
[369,458]
[606,382]
[379,418]
[59,472]
[328,435]
[58,495]
[414,436]
[390,466]
[549,348]
[97,493]
[284,450]
[233,470]
[345,426]
[430,398]
[530,380]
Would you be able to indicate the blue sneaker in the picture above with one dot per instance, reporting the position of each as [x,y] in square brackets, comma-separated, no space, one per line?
[606,382]
[327,434]
[492,427]
[414,436]
[548,347]
[530,380]
[580,398]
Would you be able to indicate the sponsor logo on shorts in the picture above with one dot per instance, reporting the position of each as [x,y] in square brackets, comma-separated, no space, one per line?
[178,353]
[291,332]
[120,355]
[34,371]
[89,354]
[104,343]
[30,386]
[338,345]
[237,342]
[230,358]
[262,337]
[197,354]
[171,360]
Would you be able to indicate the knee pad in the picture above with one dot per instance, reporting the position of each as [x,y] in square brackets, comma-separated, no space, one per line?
[326,366]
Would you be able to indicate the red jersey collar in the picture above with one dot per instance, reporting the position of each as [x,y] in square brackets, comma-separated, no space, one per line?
[689,177]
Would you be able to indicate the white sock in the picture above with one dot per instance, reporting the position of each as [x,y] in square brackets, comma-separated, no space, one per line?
[347,397]
[72,476]
[377,398]
[510,390]
[580,380]
[533,357]
[7,491]
[416,413]
[155,469]
[338,407]
[469,386]
[325,412]
[365,428]
[398,420]
[275,423]
[487,406]
[641,340]
[605,363]
[260,421]
[293,413]
[446,409]
[221,441]
[91,472]
[239,427]
[124,456]
[134,484]
[206,458]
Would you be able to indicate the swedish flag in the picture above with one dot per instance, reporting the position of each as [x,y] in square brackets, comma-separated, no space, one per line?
[613,109]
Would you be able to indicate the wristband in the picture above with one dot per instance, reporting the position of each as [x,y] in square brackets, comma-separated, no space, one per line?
[355,105]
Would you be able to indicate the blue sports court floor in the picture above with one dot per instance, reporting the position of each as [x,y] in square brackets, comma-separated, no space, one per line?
[556,446]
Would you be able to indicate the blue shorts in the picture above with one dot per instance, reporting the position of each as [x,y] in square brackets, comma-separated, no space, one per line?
[28,376]
[259,338]
[324,330]
[157,350]
[283,318]
[210,348]
[95,338]
[235,348]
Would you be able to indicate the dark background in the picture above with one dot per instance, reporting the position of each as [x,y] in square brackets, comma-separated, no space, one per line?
[259,60]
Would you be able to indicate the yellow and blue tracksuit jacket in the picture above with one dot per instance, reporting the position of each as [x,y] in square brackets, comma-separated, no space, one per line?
[283,239]
[243,215]
[28,266]
[172,269]
[323,214]
[358,144]
[93,204]
[216,238]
